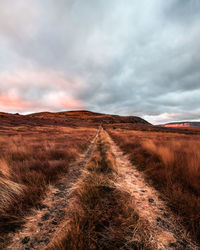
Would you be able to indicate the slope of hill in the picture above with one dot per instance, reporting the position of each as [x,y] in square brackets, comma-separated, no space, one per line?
[90,116]
[74,118]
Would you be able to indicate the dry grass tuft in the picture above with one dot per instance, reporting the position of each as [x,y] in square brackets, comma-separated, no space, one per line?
[98,217]
[172,162]
[30,160]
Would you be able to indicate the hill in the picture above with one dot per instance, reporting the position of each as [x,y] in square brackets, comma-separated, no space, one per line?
[87,180]
[72,118]
[182,124]
[90,116]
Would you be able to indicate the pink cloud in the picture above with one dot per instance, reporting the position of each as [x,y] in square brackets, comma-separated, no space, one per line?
[55,91]
[161,118]
[13,102]
[40,78]
[71,104]
[61,100]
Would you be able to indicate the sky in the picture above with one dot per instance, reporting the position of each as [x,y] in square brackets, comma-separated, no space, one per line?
[127,57]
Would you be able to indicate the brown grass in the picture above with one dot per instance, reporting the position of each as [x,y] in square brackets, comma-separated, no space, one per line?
[98,217]
[172,162]
[31,159]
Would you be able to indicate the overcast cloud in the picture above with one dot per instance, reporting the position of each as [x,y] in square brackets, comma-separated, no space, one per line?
[124,57]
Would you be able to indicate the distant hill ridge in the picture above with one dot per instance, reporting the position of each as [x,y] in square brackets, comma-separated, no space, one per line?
[182,124]
[78,115]
[92,116]
[66,113]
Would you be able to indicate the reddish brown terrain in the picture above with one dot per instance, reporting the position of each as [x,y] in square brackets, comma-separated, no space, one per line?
[182,124]
[84,180]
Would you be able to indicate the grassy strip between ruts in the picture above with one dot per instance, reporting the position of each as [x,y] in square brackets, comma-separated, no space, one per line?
[100,215]
[171,162]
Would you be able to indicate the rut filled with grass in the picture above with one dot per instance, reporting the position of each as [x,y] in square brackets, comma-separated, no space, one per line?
[31,159]
[172,162]
[101,216]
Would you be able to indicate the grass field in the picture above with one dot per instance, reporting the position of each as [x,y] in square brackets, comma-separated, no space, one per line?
[101,211]
[97,218]
[171,161]
[32,158]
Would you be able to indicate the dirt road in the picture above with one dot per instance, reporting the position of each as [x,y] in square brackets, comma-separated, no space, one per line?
[43,223]
[164,230]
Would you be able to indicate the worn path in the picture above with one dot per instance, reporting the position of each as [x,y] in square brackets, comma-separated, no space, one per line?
[165,231]
[43,223]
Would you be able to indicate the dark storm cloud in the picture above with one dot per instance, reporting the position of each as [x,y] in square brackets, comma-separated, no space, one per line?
[127,57]
[183,10]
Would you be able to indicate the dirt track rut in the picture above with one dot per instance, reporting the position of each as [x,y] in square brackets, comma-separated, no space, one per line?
[43,223]
[165,231]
